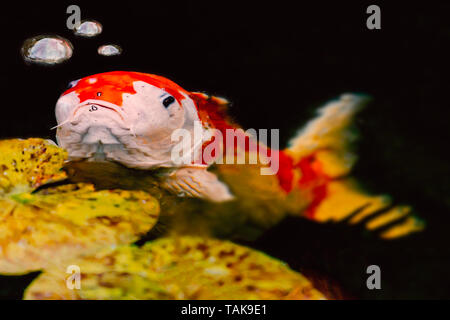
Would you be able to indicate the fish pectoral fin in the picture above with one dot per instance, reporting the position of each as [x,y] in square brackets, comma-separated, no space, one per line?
[197,183]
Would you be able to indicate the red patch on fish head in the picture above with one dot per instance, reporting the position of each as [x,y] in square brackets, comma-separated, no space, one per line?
[111,86]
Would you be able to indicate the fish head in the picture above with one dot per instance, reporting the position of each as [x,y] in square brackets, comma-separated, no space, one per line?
[127,117]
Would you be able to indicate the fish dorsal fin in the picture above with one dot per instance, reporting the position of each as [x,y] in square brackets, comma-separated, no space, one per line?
[213,111]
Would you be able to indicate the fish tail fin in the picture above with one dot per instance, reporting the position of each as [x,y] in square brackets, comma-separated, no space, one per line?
[323,155]
[331,132]
[346,202]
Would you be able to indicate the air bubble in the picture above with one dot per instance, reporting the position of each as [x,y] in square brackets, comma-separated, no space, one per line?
[88,28]
[46,49]
[109,50]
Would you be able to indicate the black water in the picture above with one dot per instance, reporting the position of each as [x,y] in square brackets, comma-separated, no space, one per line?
[277,63]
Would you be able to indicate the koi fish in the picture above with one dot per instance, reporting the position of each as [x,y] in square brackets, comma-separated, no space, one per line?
[130,118]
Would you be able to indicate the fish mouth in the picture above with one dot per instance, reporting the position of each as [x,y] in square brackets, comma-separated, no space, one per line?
[95,104]
[102,104]
[101,128]
[99,131]
[99,153]
[96,129]
[97,117]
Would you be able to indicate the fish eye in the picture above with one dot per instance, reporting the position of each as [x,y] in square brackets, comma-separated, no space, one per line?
[168,101]
[72,84]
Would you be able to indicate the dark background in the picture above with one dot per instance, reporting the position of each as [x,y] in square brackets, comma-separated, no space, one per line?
[277,62]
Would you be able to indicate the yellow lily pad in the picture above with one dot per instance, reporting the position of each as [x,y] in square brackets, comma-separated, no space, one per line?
[37,230]
[175,268]
[27,164]
[47,226]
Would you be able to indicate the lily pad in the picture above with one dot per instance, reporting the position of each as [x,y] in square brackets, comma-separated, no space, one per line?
[176,268]
[42,227]
[27,164]
[37,230]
